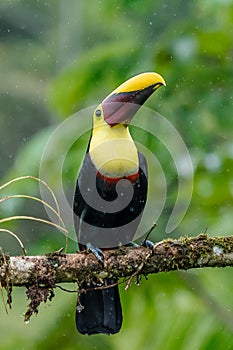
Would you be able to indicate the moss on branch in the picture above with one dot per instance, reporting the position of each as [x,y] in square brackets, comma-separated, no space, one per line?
[41,274]
[181,254]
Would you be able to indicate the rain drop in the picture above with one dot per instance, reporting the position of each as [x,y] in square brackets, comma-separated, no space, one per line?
[79,308]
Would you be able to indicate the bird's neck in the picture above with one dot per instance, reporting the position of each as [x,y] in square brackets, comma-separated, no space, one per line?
[113,151]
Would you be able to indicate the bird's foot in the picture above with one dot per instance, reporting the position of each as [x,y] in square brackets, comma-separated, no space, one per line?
[148,244]
[96,251]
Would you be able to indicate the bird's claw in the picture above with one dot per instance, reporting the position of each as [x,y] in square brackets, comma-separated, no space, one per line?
[148,244]
[96,251]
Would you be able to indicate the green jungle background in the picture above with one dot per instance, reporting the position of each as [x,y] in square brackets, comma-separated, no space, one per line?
[57,57]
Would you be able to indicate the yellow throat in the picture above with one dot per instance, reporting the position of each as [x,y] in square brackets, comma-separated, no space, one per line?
[112,149]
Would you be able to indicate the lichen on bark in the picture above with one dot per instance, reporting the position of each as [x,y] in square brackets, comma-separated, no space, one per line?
[41,274]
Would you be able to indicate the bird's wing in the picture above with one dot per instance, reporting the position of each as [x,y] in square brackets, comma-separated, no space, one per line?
[79,205]
[143,164]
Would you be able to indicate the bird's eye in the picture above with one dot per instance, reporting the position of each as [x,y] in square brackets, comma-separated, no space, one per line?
[98,113]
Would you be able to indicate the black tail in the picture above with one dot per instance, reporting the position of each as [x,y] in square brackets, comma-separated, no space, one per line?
[100,311]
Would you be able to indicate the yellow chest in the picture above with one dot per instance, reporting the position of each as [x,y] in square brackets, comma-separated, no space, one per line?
[113,152]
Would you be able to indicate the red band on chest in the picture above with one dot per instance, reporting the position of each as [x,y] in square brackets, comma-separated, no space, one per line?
[132,178]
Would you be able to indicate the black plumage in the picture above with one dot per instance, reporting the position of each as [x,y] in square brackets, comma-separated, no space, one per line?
[91,224]
[101,312]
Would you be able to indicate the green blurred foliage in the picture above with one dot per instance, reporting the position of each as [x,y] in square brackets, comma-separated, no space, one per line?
[58,57]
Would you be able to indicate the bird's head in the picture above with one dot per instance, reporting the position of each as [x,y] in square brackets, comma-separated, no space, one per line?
[120,106]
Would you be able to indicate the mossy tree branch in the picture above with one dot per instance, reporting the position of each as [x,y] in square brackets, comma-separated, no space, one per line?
[182,254]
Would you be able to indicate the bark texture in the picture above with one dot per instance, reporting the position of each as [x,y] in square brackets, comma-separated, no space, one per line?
[182,254]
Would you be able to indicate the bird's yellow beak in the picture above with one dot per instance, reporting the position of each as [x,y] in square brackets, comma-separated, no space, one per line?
[122,104]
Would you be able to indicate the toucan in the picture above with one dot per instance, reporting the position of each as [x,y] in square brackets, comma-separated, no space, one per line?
[110,195]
